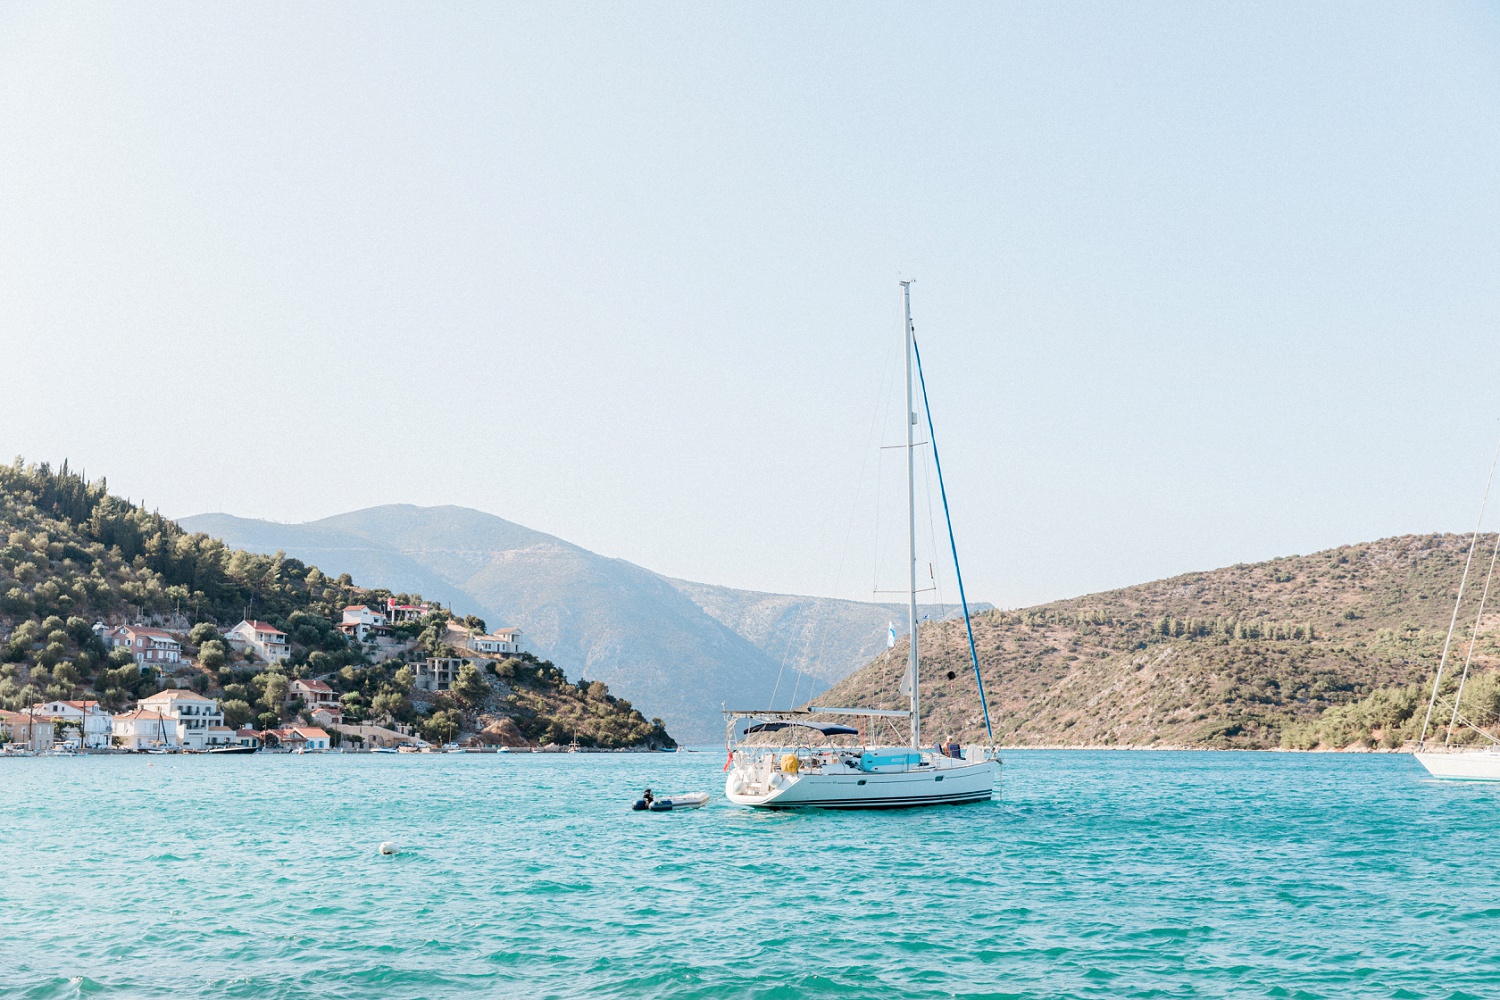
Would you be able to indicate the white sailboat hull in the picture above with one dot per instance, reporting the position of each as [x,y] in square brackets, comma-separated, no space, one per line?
[1465,765]
[926,786]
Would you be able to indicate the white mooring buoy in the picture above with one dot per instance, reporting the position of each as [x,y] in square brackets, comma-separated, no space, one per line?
[386,847]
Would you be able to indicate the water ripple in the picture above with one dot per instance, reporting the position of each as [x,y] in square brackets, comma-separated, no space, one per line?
[1118,875]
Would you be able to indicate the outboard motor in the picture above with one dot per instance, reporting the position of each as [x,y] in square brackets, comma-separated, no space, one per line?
[646,801]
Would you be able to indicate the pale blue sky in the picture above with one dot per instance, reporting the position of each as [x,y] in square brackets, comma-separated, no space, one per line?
[1197,284]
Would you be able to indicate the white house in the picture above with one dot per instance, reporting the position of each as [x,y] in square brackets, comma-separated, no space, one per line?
[192,714]
[313,693]
[502,640]
[267,641]
[86,718]
[149,646]
[219,736]
[398,613]
[317,738]
[144,730]
[364,615]
[302,738]
[360,620]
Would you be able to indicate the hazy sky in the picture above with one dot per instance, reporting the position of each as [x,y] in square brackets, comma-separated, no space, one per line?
[1196,283]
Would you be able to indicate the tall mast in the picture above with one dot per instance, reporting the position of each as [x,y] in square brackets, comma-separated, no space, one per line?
[911,530]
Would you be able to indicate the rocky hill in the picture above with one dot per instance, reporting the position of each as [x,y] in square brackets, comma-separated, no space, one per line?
[1245,656]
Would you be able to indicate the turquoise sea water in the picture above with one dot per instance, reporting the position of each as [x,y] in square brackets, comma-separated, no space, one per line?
[1093,875]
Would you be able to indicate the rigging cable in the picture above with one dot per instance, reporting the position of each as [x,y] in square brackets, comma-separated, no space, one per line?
[941,610]
[1473,638]
[1463,581]
[1444,703]
[952,544]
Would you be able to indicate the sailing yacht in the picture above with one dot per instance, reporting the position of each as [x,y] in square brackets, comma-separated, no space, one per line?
[868,776]
[1446,761]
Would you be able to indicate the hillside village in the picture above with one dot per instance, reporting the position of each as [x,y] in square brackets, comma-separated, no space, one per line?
[114,635]
[243,688]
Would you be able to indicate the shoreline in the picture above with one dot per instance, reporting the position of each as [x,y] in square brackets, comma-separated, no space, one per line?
[1176,748]
[526,751]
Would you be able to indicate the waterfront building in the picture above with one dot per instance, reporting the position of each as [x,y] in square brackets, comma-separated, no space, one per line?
[93,724]
[218,736]
[267,641]
[374,736]
[144,730]
[246,738]
[300,738]
[316,736]
[192,714]
[30,729]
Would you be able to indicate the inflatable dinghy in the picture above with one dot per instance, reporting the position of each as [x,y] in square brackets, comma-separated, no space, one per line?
[666,803]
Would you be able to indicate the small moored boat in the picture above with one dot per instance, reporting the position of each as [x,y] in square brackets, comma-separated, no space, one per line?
[667,803]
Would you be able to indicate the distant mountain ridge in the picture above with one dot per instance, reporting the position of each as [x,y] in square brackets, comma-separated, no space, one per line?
[826,638]
[676,649]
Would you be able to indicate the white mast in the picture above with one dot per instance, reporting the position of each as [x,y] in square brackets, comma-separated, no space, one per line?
[911,531]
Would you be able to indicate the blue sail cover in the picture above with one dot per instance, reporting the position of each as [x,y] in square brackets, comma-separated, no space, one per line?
[826,728]
[899,760]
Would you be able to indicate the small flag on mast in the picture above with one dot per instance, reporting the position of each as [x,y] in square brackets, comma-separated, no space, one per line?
[890,637]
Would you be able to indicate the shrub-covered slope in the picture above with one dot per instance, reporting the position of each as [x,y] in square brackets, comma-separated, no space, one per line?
[72,554]
[1243,656]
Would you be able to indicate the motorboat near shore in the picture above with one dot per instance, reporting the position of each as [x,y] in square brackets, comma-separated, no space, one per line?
[233,750]
[670,803]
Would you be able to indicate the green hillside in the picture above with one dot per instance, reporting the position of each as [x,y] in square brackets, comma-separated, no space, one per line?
[73,554]
[1328,649]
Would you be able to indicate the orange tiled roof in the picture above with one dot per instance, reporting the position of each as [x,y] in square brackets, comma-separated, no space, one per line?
[263,627]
